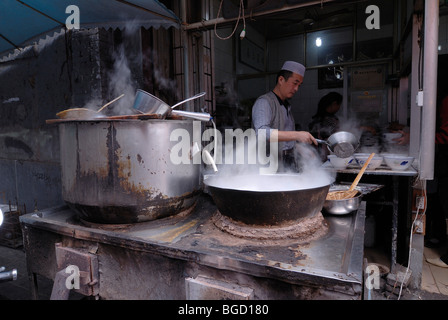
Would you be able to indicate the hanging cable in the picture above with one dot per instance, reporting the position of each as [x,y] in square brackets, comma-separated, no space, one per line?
[413,230]
[240,15]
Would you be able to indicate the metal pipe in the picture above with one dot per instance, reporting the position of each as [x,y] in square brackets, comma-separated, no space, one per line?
[416,111]
[8,275]
[394,223]
[202,116]
[321,66]
[431,37]
[209,24]
[185,38]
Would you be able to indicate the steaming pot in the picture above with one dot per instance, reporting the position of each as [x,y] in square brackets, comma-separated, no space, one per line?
[120,171]
[264,206]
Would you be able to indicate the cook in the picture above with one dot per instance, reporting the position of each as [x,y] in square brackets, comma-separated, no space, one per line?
[272,112]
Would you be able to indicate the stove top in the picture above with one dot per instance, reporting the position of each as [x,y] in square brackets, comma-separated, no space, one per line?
[335,257]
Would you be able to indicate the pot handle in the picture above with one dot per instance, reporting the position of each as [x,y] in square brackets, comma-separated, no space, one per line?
[203,116]
[322,141]
[188,99]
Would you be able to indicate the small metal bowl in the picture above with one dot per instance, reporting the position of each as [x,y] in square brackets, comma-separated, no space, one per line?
[343,143]
[345,206]
[145,102]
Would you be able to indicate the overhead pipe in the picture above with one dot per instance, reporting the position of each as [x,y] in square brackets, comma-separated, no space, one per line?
[431,36]
[185,38]
[208,24]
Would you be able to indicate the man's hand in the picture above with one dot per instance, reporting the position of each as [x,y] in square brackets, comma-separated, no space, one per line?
[300,136]
[404,139]
[305,137]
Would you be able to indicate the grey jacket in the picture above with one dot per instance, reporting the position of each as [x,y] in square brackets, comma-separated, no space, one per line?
[276,121]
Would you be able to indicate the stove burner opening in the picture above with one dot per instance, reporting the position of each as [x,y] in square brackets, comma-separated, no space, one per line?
[305,230]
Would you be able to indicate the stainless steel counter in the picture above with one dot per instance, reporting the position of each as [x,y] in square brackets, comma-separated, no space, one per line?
[384,170]
[381,170]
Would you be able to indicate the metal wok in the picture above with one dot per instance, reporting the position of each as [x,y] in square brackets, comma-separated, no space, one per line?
[259,203]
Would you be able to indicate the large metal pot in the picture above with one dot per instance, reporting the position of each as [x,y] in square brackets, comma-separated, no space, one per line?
[266,199]
[121,172]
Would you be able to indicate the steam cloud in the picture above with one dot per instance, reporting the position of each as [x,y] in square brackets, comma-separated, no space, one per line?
[122,79]
[121,82]
[247,176]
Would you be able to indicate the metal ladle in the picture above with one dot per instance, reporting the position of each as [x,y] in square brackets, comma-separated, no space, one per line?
[165,110]
[84,113]
[351,192]
[188,99]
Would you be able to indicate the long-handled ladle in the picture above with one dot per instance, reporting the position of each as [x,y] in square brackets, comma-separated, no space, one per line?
[351,192]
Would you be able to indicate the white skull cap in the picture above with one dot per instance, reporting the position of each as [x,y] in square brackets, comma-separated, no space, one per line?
[294,67]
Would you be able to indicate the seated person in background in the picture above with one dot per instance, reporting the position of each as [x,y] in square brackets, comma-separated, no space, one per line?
[325,122]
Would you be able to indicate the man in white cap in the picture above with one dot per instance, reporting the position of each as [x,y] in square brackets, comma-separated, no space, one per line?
[272,112]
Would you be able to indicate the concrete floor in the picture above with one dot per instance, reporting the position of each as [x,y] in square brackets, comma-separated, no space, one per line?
[434,279]
[20,288]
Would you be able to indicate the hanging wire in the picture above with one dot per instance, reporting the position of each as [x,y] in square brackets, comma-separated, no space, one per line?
[240,15]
